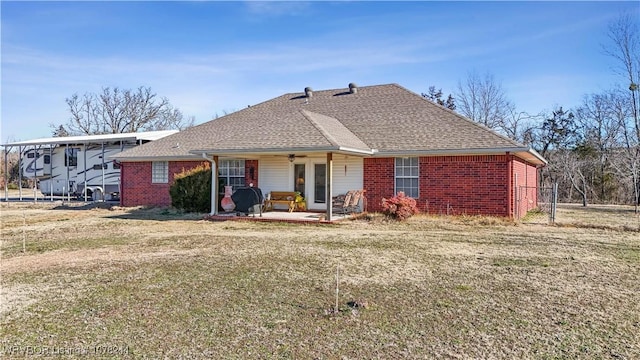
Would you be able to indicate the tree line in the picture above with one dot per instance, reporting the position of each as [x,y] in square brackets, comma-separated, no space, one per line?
[116,110]
[593,149]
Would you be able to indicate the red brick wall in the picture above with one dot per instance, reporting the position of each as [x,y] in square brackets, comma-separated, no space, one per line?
[448,184]
[378,181]
[249,176]
[137,189]
[525,185]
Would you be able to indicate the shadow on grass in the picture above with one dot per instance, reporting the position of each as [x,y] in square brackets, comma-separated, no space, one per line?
[157,214]
[597,208]
[86,206]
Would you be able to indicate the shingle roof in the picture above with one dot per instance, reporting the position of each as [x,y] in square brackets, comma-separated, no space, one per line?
[381,118]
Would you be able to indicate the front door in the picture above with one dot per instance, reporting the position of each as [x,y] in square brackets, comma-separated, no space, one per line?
[320,183]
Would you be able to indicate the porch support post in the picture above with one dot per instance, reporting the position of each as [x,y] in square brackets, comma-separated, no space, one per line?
[20,172]
[329,197]
[84,159]
[214,186]
[51,171]
[214,183]
[6,173]
[68,162]
[104,186]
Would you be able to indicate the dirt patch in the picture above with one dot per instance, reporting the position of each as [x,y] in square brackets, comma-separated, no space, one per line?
[16,297]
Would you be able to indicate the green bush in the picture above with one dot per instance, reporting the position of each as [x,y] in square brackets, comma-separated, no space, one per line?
[191,190]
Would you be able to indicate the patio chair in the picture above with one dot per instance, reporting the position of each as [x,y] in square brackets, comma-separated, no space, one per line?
[353,205]
[341,203]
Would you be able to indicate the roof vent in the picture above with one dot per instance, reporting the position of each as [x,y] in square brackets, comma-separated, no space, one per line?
[353,88]
[308,92]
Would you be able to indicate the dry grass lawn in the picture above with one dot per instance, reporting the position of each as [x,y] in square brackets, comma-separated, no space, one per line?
[153,283]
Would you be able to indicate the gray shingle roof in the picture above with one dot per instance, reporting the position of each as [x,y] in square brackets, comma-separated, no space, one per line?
[387,118]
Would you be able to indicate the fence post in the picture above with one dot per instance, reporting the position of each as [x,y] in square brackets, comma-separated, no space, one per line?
[554,203]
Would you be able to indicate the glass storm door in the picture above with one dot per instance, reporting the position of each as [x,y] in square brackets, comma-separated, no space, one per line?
[299,179]
[320,183]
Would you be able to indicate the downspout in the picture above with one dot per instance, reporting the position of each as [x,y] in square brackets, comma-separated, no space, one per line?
[214,183]
[509,186]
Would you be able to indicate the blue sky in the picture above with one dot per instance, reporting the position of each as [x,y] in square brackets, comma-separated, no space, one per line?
[209,58]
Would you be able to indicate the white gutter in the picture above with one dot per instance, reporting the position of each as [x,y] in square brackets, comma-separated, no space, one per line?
[533,155]
[195,156]
[279,151]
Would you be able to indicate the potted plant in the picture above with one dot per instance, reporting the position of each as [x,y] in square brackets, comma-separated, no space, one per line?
[301,204]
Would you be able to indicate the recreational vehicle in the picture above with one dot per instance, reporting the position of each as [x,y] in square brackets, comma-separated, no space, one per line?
[79,166]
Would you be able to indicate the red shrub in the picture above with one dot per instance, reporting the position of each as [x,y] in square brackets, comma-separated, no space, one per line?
[399,207]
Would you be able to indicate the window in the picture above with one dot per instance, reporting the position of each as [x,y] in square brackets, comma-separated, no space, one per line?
[116,165]
[71,156]
[407,176]
[160,172]
[47,159]
[231,172]
[99,167]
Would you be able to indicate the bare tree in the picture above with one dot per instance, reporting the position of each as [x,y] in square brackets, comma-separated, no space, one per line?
[85,115]
[599,129]
[117,111]
[482,99]
[575,168]
[59,131]
[520,125]
[624,47]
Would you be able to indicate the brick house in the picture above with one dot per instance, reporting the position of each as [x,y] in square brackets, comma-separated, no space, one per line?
[381,138]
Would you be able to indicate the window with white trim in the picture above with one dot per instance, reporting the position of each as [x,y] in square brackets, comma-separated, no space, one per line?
[407,176]
[232,172]
[160,172]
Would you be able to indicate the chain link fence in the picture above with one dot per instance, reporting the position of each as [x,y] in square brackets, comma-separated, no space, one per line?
[547,201]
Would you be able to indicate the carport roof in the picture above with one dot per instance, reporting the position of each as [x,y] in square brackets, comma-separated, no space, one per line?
[91,139]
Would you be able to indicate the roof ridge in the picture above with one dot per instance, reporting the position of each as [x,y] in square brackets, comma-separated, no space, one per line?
[336,139]
[338,89]
[320,128]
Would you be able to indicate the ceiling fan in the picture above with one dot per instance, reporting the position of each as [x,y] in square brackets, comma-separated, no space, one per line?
[291,157]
